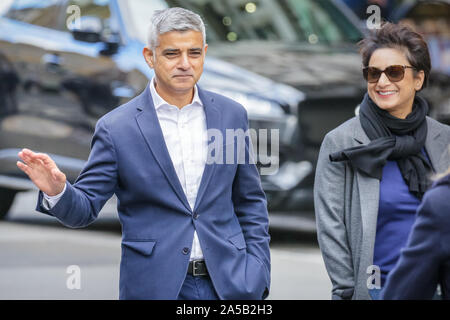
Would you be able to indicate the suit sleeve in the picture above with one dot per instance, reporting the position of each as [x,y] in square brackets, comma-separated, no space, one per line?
[416,274]
[81,202]
[250,206]
[329,204]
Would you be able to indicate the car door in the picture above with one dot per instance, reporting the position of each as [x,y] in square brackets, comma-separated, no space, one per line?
[65,83]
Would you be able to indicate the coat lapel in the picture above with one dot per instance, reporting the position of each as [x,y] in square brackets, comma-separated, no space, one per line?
[213,121]
[150,128]
[369,195]
[436,146]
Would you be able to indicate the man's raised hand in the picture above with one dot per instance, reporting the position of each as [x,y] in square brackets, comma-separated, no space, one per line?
[42,170]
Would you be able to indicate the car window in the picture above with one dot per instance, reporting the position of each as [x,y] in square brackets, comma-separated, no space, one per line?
[321,21]
[233,20]
[275,20]
[43,13]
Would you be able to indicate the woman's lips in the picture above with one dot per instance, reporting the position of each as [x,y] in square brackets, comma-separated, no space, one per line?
[386,93]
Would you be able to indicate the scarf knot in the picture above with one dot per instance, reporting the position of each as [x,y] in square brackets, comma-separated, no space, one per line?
[405,146]
[391,138]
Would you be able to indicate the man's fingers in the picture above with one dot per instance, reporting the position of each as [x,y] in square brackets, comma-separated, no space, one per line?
[27,154]
[44,158]
[22,166]
[25,158]
[33,159]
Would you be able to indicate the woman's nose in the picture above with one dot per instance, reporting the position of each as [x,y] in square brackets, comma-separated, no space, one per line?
[384,80]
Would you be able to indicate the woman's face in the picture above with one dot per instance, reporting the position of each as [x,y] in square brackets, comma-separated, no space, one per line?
[394,97]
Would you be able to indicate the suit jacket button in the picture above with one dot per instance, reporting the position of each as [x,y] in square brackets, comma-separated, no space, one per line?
[185,250]
[195,216]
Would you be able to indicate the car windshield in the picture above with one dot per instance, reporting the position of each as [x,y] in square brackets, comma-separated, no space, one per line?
[314,22]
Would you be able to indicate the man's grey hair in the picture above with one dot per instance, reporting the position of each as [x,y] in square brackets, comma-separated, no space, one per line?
[173,19]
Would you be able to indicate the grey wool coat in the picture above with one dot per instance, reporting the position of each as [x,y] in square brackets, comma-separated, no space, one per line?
[346,206]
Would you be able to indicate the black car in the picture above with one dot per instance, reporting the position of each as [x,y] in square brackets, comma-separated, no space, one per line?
[57,78]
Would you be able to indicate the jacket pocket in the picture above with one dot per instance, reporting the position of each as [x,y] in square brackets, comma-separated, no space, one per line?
[238,240]
[144,247]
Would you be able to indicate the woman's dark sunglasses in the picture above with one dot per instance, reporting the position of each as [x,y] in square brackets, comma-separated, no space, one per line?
[394,73]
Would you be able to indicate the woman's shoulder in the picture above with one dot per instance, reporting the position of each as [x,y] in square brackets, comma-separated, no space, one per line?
[345,131]
[438,126]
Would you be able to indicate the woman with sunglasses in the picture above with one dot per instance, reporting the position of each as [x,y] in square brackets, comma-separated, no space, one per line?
[373,170]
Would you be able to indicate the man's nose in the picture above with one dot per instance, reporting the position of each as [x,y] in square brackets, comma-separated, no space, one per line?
[184,62]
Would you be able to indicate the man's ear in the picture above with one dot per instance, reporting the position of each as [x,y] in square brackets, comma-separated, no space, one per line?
[148,56]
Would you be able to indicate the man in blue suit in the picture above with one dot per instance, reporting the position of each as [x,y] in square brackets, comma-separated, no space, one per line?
[192,228]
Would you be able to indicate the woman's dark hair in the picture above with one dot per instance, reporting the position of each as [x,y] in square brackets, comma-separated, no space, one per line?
[398,36]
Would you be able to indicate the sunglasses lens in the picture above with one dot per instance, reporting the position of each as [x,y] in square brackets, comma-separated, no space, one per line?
[395,73]
[372,74]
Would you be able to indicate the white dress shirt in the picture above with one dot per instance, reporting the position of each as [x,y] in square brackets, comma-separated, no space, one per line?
[185,134]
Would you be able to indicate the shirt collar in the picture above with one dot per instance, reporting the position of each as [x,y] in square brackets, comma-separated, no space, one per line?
[158,101]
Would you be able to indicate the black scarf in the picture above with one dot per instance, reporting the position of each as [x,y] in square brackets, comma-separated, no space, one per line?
[392,138]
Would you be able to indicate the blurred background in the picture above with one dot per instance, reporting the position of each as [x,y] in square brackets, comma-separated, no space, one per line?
[293,64]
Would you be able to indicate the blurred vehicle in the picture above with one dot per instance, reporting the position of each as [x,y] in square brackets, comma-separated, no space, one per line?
[432,19]
[65,63]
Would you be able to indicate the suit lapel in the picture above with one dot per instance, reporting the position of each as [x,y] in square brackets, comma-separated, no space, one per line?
[150,128]
[213,121]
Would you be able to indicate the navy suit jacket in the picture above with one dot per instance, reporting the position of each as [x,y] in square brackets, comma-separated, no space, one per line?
[425,262]
[129,158]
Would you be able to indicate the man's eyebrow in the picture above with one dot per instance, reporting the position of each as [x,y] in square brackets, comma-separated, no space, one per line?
[195,49]
[171,50]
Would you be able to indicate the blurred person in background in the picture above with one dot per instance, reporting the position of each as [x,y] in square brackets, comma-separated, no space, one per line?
[425,262]
[374,169]
[191,229]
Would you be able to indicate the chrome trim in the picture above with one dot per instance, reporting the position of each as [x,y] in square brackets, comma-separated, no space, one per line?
[63,162]
[301,222]
[17,183]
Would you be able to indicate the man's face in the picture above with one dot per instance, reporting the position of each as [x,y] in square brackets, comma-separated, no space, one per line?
[177,61]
